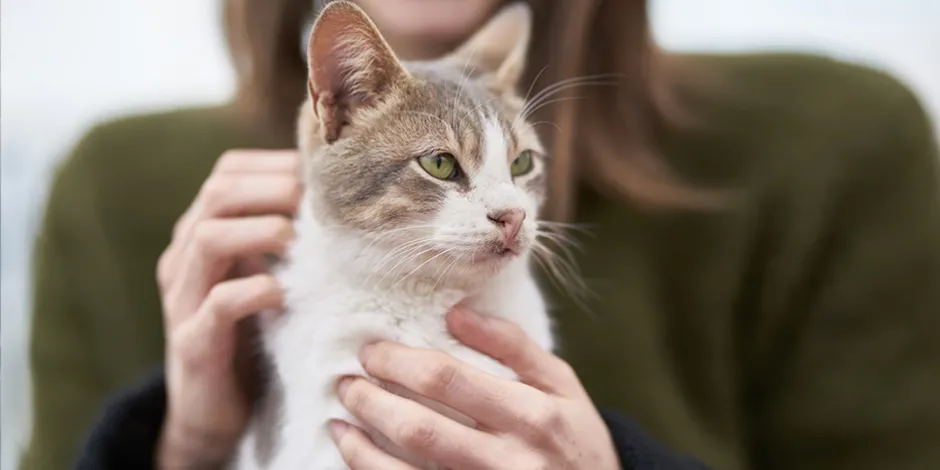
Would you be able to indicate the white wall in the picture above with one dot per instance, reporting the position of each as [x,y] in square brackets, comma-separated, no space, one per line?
[67,64]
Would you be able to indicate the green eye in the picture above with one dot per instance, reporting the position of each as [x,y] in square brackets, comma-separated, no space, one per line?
[522,164]
[442,166]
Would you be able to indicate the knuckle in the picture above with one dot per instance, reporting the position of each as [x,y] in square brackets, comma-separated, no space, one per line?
[534,462]
[512,332]
[229,160]
[185,352]
[420,435]
[267,291]
[527,460]
[219,302]
[205,237]
[443,377]
[295,189]
[540,418]
[267,285]
[215,192]
[281,230]
[565,369]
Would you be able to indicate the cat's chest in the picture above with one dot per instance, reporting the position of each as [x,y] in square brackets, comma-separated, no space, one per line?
[322,308]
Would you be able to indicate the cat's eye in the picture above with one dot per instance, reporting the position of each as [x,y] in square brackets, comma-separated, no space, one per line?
[522,164]
[441,166]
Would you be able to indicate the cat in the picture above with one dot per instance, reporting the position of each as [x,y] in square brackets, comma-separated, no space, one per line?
[423,182]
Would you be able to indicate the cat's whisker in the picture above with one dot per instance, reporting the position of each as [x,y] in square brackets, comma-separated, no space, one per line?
[584,228]
[387,233]
[404,245]
[447,271]
[535,103]
[565,245]
[411,256]
[464,78]
[527,110]
[410,251]
[553,88]
[563,272]
[525,99]
[421,265]
[566,232]
[538,123]
[538,257]
[400,253]
[550,102]
[565,81]
[562,240]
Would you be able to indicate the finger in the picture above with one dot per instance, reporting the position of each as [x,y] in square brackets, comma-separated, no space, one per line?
[227,195]
[359,452]
[216,244]
[492,401]
[208,339]
[258,161]
[509,344]
[416,428]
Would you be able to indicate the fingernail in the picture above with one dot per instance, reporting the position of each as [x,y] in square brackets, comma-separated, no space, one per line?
[338,428]
[343,386]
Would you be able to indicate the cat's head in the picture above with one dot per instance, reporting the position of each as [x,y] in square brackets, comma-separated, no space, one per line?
[435,160]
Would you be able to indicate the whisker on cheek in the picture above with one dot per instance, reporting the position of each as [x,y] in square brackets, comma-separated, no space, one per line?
[561,267]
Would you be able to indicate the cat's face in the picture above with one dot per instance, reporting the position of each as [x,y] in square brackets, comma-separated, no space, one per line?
[431,161]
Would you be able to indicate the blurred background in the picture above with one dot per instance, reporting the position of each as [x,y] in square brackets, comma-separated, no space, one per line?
[67,64]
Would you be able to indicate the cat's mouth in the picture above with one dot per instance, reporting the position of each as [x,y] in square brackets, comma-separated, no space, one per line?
[498,253]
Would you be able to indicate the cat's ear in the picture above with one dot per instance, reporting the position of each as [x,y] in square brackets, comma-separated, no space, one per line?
[350,66]
[501,46]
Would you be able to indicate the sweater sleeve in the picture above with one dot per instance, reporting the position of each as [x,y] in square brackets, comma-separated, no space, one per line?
[638,451]
[127,432]
[850,376]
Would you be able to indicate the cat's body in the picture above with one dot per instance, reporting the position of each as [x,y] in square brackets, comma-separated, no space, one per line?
[386,244]
[331,314]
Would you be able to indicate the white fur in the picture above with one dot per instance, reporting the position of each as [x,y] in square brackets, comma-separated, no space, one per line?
[337,302]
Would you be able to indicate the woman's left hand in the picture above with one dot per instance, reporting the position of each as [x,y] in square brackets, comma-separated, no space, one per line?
[544,421]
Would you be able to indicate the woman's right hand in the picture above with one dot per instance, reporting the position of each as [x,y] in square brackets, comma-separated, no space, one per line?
[211,276]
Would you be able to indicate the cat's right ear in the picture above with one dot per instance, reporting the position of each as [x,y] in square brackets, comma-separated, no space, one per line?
[350,66]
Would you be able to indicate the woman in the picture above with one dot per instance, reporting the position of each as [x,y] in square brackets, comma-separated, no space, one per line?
[790,324]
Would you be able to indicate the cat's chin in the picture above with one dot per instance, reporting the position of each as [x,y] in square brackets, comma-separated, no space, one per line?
[491,262]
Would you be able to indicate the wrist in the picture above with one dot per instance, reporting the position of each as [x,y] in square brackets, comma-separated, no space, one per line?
[182,446]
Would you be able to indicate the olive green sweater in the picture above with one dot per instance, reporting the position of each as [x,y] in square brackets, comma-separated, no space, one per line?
[799,328]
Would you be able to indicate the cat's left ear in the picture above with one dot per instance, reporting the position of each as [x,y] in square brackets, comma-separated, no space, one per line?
[351,66]
[501,46]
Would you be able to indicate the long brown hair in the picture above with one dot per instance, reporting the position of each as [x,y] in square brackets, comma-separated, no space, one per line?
[603,137]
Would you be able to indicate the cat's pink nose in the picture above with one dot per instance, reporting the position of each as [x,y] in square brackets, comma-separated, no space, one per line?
[509,222]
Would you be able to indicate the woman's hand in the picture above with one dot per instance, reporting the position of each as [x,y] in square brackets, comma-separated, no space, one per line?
[211,276]
[546,421]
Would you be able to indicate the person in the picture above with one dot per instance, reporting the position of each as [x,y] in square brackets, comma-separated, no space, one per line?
[763,258]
